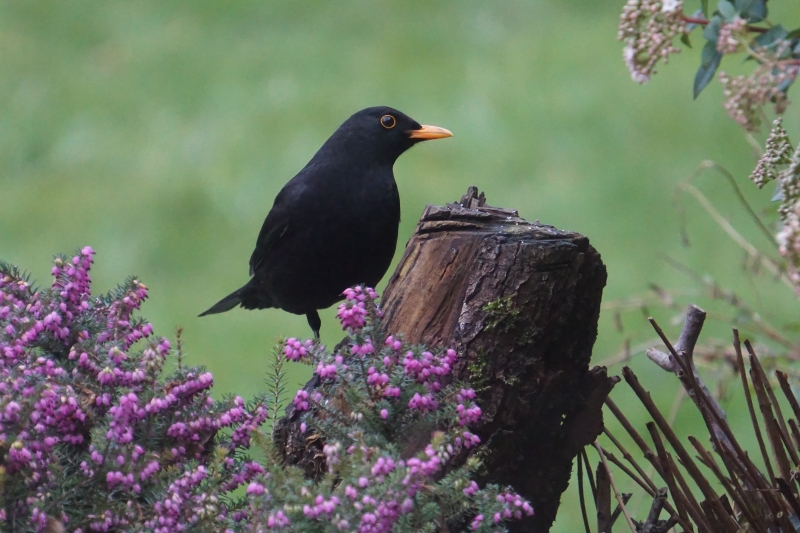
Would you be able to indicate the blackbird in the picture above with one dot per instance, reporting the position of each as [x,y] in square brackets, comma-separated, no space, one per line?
[333,225]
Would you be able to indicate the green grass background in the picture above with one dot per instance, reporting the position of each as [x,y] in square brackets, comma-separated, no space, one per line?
[160,132]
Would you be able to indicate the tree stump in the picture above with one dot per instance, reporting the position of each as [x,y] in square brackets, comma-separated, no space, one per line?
[519,301]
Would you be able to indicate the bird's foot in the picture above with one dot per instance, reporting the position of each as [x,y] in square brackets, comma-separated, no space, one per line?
[315,322]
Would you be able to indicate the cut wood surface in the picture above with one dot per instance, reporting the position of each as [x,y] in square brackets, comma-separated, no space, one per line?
[519,301]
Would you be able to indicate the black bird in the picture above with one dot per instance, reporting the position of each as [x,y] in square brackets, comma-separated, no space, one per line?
[334,225]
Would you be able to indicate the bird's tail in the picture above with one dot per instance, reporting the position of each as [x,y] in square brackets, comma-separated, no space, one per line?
[227,303]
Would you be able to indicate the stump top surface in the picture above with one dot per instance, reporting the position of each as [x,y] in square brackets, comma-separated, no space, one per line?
[457,217]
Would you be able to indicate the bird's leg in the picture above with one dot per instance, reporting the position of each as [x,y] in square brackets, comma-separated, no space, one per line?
[315,322]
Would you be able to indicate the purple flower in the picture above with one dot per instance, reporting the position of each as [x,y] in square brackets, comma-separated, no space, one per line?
[301,400]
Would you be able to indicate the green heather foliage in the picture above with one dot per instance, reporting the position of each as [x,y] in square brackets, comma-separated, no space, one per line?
[97,435]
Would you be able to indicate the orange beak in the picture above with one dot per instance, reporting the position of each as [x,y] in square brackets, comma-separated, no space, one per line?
[427,133]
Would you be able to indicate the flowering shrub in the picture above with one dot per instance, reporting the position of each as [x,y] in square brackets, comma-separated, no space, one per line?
[95,435]
[649,29]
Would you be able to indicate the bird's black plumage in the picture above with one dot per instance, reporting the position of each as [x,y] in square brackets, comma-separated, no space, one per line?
[334,225]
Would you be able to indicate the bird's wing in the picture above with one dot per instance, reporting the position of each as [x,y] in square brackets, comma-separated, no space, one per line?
[275,227]
[280,220]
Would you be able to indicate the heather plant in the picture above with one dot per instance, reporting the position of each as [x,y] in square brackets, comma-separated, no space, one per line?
[104,428]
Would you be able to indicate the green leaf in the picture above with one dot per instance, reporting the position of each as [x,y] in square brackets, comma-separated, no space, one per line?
[785,84]
[794,33]
[704,7]
[757,12]
[712,30]
[685,39]
[774,35]
[743,6]
[710,62]
[727,10]
[707,55]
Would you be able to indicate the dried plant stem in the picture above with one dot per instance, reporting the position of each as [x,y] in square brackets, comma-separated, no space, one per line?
[582,497]
[645,482]
[708,164]
[689,496]
[639,481]
[628,457]
[592,484]
[795,433]
[731,448]
[769,422]
[686,460]
[787,391]
[728,228]
[686,511]
[734,452]
[734,491]
[784,431]
[753,419]
[637,438]
[614,487]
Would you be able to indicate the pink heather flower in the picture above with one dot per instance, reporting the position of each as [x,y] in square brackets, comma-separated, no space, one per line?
[470,440]
[393,343]
[295,349]
[383,466]
[476,522]
[301,400]
[331,452]
[364,349]
[423,403]
[326,371]
[468,415]
[255,488]
[352,315]
[384,414]
[392,392]
[277,520]
[471,489]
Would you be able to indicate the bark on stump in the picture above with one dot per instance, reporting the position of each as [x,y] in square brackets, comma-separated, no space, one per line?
[519,301]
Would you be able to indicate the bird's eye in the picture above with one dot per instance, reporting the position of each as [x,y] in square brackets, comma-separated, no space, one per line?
[388,121]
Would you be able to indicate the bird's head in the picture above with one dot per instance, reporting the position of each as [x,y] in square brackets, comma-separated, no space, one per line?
[384,132]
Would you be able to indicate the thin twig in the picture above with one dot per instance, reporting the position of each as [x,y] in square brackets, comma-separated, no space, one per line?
[628,457]
[773,433]
[783,379]
[592,484]
[708,164]
[614,486]
[774,401]
[734,491]
[670,435]
[703,22]
[743,243]
[737,345]
[582,497]
[715,291]
[685,508]
[637,438]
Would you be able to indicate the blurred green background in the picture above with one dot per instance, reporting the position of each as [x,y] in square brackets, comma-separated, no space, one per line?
[160,132]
